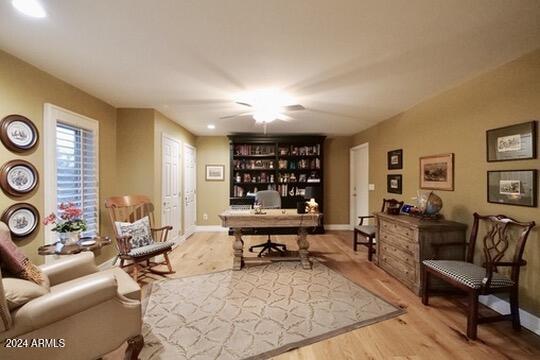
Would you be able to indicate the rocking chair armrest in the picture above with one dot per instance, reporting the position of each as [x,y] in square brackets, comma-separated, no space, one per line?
[164,232]
[123,243]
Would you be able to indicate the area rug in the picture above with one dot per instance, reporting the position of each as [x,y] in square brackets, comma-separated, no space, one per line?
[255,313]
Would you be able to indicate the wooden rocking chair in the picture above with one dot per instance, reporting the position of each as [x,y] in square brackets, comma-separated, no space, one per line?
[131,208]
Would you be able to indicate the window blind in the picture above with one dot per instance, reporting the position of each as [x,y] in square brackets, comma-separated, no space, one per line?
[76,175]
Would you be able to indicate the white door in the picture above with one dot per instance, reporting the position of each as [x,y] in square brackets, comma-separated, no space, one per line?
[359,182]
[190,190]
[170,174]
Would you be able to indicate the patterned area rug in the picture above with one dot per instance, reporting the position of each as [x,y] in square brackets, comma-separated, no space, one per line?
[255,313]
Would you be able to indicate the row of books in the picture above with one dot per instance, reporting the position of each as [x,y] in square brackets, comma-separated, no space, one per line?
[299,150]
[253,164]
[248,149]
[299,164]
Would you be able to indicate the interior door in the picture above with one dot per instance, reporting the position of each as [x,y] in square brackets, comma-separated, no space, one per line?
[190,190]
[171,209]
[359,182]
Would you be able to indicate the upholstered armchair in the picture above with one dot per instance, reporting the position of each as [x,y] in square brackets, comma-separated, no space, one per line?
[85,314]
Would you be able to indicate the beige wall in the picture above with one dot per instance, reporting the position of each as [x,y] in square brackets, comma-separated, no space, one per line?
[23,90]
[456,122]
[212,196]
[336,180]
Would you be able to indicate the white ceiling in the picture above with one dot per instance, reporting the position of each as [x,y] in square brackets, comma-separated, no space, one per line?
[351,63]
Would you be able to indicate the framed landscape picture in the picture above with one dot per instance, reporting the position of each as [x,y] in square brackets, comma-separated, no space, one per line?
[215,172]
[512,187]
[395,159]
[514,142]
[394,184]
[437,172]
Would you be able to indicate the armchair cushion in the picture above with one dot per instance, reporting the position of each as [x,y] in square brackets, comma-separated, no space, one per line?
[18,291]
[157,247]
[466,273]
[70,267]
[139,231]
[367,230]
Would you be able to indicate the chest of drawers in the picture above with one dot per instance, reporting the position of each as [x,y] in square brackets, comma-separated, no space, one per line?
[403,242]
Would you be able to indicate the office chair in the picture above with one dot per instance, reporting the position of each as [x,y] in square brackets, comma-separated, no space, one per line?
[269,199]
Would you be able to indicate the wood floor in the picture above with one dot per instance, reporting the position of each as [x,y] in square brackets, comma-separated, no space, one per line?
[434,332]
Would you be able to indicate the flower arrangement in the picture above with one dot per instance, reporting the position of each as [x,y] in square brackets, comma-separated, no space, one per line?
[68,219]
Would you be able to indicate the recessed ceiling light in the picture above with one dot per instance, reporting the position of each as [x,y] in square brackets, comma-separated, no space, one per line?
[211,126]
[30,8]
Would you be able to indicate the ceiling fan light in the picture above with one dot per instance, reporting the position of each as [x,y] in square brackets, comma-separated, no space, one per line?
[264,117]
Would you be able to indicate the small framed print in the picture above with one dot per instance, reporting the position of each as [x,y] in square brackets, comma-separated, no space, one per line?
[395,159]
[215,172]
[394,184]
[18,133]
[512,187]
[514,142]
[22,220]
[437,172]
[18,177]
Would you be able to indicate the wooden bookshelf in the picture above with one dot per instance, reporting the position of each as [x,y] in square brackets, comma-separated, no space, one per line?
[284,163]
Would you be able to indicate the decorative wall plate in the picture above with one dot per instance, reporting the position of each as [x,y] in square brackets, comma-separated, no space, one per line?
[18,133]
[18,177]
[22,219]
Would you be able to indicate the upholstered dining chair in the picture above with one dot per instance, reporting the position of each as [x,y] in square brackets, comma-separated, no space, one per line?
[498,234]
[137,239]
[268,199]
[369,231]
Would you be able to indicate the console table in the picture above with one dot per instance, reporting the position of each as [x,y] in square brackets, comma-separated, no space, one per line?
[247,219]
[403,242]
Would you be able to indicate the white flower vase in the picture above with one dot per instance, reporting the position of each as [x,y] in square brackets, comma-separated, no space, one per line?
[69,238]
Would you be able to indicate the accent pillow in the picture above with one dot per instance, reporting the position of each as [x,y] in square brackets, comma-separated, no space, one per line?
[14,262]
[140,232]
[18,292]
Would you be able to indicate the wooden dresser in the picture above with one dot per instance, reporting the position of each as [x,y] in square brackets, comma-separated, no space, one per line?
[404,241]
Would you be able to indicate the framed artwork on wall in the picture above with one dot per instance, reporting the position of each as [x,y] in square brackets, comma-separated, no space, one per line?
[513,187]
[437,172]
[22,219]
[395,159]
[215,172]
[18,177]
[514,142]
[394,184]
[18,133]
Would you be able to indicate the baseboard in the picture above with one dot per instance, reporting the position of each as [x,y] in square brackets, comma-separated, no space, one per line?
[211,228]
[337,227]
[528,320]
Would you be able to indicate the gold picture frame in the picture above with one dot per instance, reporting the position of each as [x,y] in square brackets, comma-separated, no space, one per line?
[437,172]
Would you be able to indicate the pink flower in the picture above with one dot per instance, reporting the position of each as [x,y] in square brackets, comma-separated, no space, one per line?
[49,219]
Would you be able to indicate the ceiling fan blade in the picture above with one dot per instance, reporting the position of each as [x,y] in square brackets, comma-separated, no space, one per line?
[294,107]
[236,115]
[243,103]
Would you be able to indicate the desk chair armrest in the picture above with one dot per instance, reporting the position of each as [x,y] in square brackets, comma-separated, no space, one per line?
[70,268]
[62,303]
[164,233]
[364,217]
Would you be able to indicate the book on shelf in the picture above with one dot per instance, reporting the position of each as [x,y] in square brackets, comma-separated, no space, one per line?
[251,150]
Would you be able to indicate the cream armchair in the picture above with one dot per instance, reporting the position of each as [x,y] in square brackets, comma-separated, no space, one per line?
[86,314]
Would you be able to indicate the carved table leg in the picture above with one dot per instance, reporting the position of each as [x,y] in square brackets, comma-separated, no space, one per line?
[303,246]
[238,247]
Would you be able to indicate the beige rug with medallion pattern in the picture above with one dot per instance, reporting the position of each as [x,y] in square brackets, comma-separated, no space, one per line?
[255,313]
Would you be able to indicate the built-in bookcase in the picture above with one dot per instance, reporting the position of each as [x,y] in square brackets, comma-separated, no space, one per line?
[287,164]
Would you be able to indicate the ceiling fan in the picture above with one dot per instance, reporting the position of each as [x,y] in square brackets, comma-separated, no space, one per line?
[278,112]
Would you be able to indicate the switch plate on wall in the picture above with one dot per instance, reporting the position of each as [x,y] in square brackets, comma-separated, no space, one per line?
[205,216]
[371,187]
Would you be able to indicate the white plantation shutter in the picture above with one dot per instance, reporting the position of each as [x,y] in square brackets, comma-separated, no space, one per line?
[76,172]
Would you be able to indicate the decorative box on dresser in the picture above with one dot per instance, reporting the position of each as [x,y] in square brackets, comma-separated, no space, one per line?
[404,241]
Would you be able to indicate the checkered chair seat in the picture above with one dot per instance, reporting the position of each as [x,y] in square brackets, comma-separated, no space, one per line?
[156,247]
[368,230]
[466,273]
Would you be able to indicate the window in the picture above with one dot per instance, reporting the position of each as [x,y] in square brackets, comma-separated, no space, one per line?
[76,179]
[71,165]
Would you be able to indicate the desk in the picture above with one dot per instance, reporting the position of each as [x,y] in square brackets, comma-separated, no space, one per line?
[243,219]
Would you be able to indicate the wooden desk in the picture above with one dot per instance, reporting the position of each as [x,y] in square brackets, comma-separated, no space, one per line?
[243,219]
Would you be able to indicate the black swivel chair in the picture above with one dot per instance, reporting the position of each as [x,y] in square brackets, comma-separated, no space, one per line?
[268,199]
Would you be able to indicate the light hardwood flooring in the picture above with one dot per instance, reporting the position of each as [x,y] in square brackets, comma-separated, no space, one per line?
[434,332]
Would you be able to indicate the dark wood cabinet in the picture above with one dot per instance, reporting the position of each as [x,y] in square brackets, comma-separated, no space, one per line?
[285,163]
